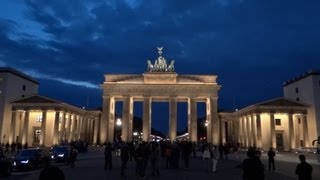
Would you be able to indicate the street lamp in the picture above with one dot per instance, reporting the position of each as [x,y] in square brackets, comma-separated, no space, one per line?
[118,123]
[206,123]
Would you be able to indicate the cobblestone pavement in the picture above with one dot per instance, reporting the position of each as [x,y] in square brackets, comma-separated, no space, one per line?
[90,166]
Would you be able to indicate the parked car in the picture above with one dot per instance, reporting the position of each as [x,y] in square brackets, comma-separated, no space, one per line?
[29,159]
[60,154]
[5,166]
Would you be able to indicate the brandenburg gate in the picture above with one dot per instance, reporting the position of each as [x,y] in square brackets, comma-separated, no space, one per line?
[159,84]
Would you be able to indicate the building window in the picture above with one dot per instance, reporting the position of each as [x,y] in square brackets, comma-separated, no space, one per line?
[299,121]
[298,99]
[24,87]
[297,90]
[278,122]
[39,118]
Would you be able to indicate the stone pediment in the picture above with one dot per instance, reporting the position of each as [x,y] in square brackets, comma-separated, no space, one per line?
[36,99]
[281,101]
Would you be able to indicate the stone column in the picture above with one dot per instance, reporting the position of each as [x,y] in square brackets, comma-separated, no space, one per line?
[111,119]
[13,127]
[84,129]
[73,127]
[305,131]
[292,141]
[146,124]
[63,127]
[259,132]
[297,130]
[253,131]
[241,140]
[273,142]
[209,121]
[25,137]
[107,120]
[56,128]
[223,131]
[43,128]
[69,134]
[249,135]
[244,130]
[96,129]
[194,120]
[78,128]
[173,119]
[125,119]
[130,133]
[214,121]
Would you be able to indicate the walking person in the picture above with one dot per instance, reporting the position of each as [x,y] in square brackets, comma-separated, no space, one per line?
[124,158]
[206,157]
[154,157]
[271,155]
[304,170]
[108,157]
[215,157]
[252,167]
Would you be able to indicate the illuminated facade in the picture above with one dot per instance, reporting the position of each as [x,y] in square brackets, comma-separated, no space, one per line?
[13,85]
[279,123]
[306,89]
[159,83]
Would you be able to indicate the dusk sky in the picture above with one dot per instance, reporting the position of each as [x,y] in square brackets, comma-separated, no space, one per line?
[252,45]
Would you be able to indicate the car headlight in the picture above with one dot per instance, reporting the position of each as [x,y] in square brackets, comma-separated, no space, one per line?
[25,162]
[60,155]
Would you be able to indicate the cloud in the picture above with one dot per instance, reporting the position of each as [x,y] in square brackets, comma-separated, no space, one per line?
[36,74]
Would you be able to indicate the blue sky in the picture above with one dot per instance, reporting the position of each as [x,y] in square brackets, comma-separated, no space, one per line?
[253,46]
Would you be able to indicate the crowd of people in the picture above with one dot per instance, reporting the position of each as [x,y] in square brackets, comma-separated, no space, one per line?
[174,153]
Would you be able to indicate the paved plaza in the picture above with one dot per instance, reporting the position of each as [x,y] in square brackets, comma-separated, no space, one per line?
[91,166]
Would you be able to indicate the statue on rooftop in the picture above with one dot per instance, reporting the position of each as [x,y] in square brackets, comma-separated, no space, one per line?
[160,64]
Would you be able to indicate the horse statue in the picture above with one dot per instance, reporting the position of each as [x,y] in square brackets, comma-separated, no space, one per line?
[150,66]
[171,67]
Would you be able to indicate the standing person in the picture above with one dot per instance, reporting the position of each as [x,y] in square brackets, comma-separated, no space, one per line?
[124,154]
[7,147]
[108,157]
[168,156]
[154,157]
[304,170]
[73,156]
[206,157]
[13,147]
[271,155]
[215,157]
[252,167]
[221,151]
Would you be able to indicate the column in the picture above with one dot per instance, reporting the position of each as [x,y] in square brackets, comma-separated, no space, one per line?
[26,128]
[240,131]
[63,127]
[84,130]
[125,119]
[292,140]
[43,128]
[272,132]
[56,128]
[96,128]
[13,127]
[106,119]
[78,128]
[244,130]
[214,121]
[69,133]
[259,132]
[130,134]
[209,121]
[146,124]
[111,119]
[248,131]
[73,127]
[223,131]
[296,122]
[173,119]
[193,123]
[253,131]
[305,131]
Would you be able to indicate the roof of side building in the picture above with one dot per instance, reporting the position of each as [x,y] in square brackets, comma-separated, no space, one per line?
[18,73]
[301,76]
